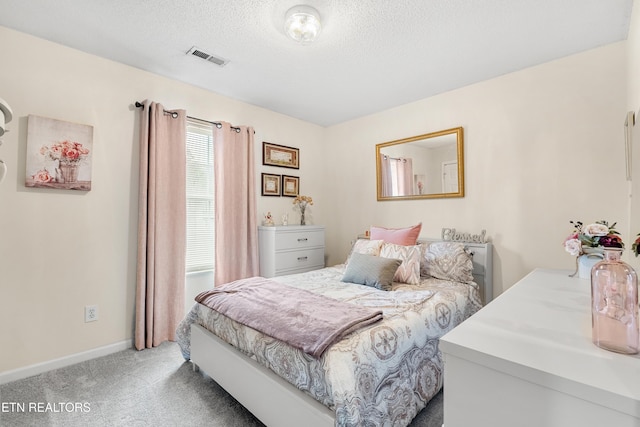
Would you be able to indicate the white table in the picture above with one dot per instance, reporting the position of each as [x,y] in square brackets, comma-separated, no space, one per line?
[527,360]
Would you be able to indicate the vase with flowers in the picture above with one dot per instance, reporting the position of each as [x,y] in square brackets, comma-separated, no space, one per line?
[302,202]
[614,286]
[614,302]
[587,244]
[68,155]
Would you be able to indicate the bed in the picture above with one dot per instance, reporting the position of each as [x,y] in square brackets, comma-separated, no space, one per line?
[380,375]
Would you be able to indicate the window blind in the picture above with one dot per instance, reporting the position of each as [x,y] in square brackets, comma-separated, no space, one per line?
[200,197]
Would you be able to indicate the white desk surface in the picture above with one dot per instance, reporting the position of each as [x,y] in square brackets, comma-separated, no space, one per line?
[540,330]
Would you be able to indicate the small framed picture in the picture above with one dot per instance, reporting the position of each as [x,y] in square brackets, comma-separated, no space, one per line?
[290,186]
[279,155]
[270,184]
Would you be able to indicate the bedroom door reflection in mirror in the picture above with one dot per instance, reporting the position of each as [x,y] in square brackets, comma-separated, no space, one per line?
[425,166]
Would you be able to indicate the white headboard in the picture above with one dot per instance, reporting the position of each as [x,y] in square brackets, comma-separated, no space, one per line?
[482,266]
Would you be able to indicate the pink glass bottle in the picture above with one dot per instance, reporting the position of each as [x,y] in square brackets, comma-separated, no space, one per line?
[614,304]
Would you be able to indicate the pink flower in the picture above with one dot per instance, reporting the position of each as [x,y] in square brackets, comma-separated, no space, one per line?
[71,154]
[573,236]
[65,151]
[56,150]
[42,176]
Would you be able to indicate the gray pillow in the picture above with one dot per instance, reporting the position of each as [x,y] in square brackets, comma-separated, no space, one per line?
[371,270]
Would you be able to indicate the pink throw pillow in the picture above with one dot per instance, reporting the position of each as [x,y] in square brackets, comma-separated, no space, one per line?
[400,236]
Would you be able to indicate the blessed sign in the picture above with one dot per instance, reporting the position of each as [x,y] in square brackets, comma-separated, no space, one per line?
[450,234]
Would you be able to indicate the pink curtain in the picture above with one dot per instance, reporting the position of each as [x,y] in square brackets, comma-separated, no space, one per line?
[405,176]
[235,204]
[396,176]
[161,226]
[385,176]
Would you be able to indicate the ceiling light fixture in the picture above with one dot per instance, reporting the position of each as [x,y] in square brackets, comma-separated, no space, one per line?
[302,24]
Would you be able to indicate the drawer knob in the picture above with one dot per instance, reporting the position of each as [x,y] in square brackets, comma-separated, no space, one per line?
[302,258]
[302,239]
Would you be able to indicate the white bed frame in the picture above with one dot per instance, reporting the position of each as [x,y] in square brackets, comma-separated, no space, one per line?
[482,266]
[270,398]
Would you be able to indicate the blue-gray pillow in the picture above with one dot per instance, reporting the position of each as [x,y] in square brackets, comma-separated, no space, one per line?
[371,270]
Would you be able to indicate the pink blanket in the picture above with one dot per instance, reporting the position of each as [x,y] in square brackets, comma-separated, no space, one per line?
[302,319]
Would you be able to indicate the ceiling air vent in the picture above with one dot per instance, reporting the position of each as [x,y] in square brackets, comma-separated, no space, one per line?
[204,55]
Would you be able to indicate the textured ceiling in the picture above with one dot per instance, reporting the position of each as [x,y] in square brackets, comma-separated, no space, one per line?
[371,54]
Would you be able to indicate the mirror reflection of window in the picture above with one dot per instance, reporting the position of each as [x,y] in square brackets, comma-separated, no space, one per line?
[397,176]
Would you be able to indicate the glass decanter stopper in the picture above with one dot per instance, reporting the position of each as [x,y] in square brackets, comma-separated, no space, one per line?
[614,304]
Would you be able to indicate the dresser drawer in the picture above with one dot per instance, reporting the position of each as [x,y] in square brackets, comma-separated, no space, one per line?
[290,249]
[299,239]
[300,259]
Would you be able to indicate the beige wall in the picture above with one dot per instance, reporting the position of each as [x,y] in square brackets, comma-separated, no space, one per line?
[543,146]
[62,250]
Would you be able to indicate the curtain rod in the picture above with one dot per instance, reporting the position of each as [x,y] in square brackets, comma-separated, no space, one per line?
[395,158]
[175,116]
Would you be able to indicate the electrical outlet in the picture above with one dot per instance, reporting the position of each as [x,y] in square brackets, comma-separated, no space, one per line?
[90,313]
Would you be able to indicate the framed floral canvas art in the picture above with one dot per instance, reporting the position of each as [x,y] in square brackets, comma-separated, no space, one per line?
[58,154]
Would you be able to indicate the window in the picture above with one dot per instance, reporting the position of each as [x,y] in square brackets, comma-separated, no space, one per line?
[200,197]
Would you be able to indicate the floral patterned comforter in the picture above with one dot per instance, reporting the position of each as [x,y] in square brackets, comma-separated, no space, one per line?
[382,375]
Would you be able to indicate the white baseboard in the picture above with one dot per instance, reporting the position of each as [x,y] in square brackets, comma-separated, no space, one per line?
[38,368]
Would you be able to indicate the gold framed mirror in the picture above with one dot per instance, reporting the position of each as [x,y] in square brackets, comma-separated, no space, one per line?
[425,166]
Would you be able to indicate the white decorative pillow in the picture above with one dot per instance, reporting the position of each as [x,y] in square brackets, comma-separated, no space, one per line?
[447,261]
[409,270]
[365,247]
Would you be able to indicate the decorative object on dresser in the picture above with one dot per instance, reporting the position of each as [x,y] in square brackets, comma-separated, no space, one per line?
[614,304]
[290,249]
[529,353]
[587,244]
[279,155]
[302,202]
[268,220]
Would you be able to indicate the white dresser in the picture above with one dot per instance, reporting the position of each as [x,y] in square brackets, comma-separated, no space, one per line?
[527,360]
[290,249]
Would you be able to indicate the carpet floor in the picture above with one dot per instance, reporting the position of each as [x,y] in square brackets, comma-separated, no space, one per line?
[154,387]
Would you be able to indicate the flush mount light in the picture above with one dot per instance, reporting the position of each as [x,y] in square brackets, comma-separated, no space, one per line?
[302,24]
